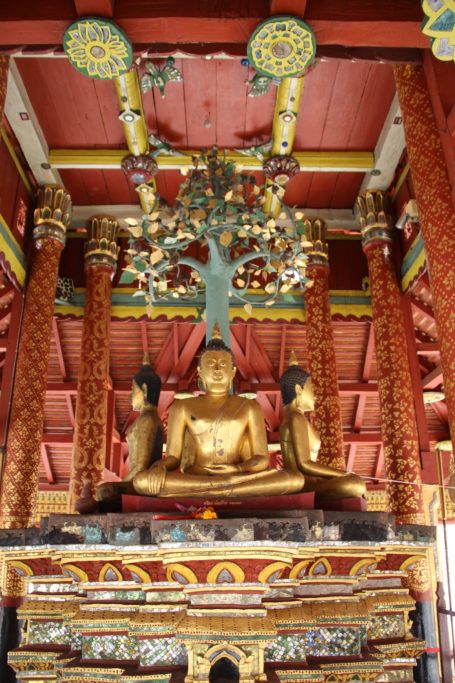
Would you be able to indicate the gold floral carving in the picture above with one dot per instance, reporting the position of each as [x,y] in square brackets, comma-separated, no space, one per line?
[322,364]
[418,576]
[398,424]
[436,211]
[89,449]
[20,476]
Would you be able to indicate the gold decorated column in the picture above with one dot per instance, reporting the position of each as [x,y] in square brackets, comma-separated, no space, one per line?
[23,451]
[398,422]
[89,448]
[436,212]
[321,349]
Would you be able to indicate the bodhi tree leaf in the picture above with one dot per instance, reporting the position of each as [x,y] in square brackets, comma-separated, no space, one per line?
[226,238]
[248,308]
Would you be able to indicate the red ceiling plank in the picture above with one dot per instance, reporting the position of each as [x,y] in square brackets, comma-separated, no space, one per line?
[165,360]
[242,362]
[441,411]
[69,403]
[144,339]
[94,8]
[231,96]
[428,348]
[421,307]
[294,7]
[282,349]
[433,379]
[361,23]
[188,352]
[380,462]
[259,357]
[200,102]
[166,116]
[46,464]
[268,411]
[58,345]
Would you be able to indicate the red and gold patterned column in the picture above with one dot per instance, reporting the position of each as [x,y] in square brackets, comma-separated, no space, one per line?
[4,63]
[398,423]
[89,449]
[23,451]
[436,212]
[321,350]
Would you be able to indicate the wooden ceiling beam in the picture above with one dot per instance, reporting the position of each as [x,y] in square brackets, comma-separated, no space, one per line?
[46,464]
[187,353]
[360,23]
[422,307]
[58,345]
[433,379]
[94,8]
[361,402]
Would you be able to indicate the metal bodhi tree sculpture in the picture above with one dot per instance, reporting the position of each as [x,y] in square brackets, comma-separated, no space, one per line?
[216,237]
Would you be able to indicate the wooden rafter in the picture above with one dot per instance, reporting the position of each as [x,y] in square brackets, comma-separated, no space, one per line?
[46,464]
[361,401]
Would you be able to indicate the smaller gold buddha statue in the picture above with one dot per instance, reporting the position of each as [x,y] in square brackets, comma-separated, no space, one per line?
[144,437]
[300,442]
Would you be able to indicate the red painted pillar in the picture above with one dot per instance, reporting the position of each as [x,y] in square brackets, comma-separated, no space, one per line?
[436,212]
[321,350]
[23,452]
[398,423]
[89,449]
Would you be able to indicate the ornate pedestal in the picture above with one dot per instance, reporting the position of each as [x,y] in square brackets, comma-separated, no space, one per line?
[321,597]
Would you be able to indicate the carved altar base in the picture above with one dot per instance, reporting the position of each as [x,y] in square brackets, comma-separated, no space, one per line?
[316,596]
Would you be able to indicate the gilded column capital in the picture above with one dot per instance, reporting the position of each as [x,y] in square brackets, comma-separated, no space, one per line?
[101,248]
[315,234]
[52,213]
[374,216]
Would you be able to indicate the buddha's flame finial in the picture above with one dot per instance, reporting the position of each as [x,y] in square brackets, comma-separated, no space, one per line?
[146,359]
[216,331]
[293,358]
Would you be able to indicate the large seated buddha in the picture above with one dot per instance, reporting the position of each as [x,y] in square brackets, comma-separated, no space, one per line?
[217,443]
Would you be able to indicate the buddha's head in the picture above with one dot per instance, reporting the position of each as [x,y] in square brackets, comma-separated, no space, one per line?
[216,366]
[297,387]
[146,387]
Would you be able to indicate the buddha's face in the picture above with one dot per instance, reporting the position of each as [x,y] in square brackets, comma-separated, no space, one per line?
[216,371]
[138,396]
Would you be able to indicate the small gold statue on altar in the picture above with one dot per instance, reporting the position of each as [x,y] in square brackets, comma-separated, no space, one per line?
[145,436]
[300,443]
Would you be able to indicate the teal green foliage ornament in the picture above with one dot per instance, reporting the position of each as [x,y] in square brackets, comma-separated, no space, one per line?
[260,84]
[216,241]
[157,78]
[439,24]
[282,47]
[97,48]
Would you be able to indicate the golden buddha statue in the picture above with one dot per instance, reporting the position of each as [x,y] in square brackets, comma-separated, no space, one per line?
[217,443]
[300,443]
[144,437]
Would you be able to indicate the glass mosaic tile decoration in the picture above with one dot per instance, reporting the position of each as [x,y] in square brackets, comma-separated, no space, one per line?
[162,651]
[286,649]
[386,626]
[49,632]
[109,647]
[327,642]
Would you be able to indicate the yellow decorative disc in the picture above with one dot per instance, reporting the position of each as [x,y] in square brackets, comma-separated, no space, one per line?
[281,47]
[98,48]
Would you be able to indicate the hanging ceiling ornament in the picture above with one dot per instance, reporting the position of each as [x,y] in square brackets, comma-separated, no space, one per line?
[98,48]
[281,168]
[282,47]
[140,169]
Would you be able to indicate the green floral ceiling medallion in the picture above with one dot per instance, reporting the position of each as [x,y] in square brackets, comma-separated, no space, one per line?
[98,48]
[439,24]
[282,47]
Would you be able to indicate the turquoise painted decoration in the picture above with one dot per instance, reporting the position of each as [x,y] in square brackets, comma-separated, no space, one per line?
[156,77]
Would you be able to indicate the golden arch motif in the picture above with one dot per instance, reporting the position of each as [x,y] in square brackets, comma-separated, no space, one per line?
[109,566]
[234,570]
[21,568]
[140,573]
[75,572]
[297,571]
[320,567]
[227,650]
[362,566]
[418,578]
[176,569]
[271,569]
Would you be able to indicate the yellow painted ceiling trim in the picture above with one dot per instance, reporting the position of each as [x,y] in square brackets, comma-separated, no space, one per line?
[326,160]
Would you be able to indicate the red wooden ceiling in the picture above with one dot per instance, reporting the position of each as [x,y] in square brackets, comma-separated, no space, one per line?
[344,105]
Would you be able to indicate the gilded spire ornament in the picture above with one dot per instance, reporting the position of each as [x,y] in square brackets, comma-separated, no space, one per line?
[293,358]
